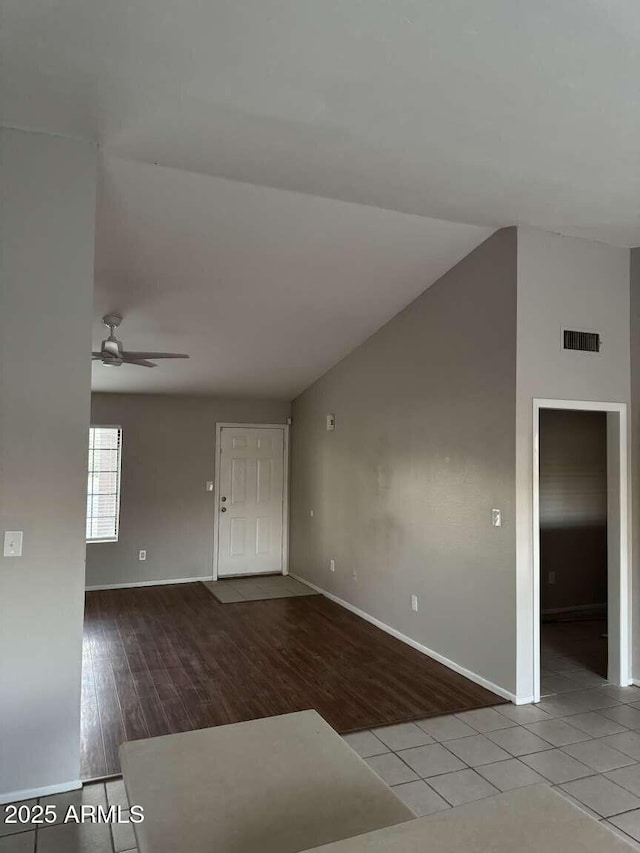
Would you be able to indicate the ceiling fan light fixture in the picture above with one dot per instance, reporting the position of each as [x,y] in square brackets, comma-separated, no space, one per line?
[113,354]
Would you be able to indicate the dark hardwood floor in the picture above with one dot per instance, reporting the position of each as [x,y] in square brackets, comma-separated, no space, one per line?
[171,658]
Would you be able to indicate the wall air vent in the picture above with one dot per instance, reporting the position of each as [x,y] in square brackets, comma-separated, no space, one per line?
[582,341]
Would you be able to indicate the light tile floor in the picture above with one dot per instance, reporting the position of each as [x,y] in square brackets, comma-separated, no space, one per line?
[574,651]
[584,742]
[72,837]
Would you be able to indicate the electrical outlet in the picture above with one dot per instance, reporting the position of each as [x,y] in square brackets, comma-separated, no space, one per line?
[142,555]
[354,575]
[552,577]
[331,423]
[311,513]
[414,603]
[496,517]
[332,565]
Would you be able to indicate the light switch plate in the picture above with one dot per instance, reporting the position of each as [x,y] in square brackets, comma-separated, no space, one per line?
[12,543]
[209,485]
[496,517]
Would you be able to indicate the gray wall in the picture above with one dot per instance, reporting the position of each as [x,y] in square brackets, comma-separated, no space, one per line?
[573,509]
[167,457]
[572,283]
[424,447]
[47,208]
[635,453]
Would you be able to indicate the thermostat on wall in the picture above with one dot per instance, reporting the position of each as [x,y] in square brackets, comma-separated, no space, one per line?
[331,423]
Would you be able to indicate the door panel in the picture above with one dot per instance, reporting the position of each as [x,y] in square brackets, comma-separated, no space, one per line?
[263,486]
[263,535]
[250,507]
[238,481]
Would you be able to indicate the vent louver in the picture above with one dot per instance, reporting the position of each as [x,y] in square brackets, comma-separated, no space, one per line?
[582,341]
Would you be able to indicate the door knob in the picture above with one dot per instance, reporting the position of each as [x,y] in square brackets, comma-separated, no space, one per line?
[223,499]
[223,509]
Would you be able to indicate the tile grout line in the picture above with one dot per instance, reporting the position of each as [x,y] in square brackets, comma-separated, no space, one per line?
[562,715]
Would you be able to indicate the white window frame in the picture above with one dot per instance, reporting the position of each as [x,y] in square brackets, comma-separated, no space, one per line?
[119,492]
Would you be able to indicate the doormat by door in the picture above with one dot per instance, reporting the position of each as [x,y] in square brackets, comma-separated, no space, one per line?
[257,588]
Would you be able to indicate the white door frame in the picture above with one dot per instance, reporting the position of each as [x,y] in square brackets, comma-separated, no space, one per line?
[285,492]
[619,583]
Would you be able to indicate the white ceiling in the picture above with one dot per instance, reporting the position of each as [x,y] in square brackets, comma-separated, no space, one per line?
[493,113]
[265,289]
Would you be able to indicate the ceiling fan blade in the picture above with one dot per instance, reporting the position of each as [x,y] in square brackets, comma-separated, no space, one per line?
[142,362]
[143,355]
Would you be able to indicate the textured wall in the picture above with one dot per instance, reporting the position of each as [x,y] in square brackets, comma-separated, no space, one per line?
[423,448]
[168,454]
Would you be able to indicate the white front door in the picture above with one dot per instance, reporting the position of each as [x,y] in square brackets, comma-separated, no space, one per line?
[250,501]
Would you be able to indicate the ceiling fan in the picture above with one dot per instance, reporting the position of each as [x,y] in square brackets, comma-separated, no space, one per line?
[113,355]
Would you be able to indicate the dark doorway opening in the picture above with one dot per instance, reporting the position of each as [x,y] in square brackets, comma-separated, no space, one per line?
[573,549]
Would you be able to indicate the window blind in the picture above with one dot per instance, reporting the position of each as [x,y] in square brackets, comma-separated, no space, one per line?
[103,490]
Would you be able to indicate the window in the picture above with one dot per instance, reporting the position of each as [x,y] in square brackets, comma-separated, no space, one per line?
[103,491]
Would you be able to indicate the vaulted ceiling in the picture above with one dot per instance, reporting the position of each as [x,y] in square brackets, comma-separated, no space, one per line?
[484,113]
[265,289]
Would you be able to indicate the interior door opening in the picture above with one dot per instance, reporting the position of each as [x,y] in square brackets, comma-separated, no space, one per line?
[580,538]
[573,549]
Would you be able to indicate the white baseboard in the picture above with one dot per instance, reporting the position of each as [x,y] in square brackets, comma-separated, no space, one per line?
[32,793]
[145,583]
[472,676]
